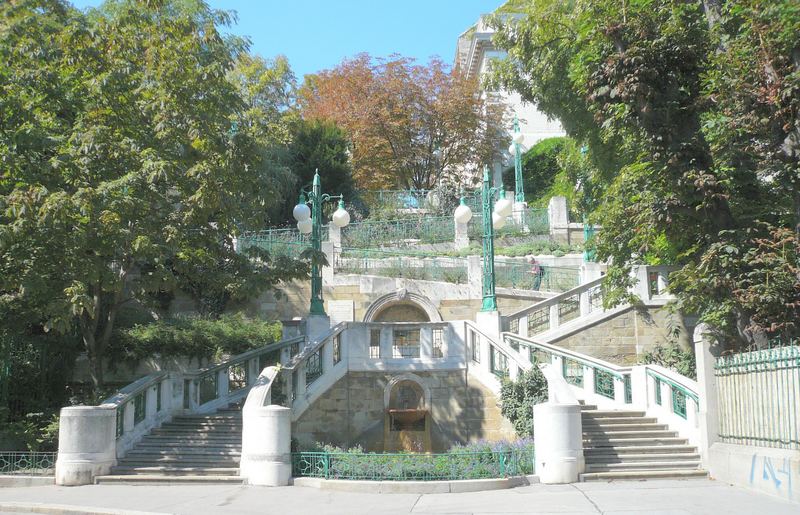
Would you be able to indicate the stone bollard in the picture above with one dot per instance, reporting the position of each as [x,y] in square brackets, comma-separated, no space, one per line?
[557,438]
[266,445]
[86,444]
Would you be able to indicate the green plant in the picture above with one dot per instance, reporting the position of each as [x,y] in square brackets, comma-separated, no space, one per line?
[518,397]
[192,337]
[673,357]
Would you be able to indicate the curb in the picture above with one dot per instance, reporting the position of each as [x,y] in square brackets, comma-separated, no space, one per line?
[12,481]
[65,509]
[415,487]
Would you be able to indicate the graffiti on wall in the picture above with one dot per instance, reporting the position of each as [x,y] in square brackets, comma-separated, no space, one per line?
[775,474]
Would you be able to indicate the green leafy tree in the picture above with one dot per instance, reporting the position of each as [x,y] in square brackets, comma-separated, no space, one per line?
[118,153]
[690,114]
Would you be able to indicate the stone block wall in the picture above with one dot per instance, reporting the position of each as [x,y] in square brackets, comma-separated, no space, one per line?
[352,412]
[624,338]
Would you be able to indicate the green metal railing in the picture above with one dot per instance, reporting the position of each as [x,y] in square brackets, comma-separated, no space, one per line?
[526,276]
[396,200]
[757,396]
[408,266]
[413,467]
[398,233]
[28,463]
[278,242]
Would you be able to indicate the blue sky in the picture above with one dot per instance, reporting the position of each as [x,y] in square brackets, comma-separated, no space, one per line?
[318,34]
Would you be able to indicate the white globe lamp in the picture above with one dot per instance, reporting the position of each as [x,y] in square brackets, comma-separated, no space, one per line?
[301,212]
[340,217]
[462,214]
[518,138]
[305,226]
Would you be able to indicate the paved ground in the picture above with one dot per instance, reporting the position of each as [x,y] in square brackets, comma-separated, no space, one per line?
[665,497]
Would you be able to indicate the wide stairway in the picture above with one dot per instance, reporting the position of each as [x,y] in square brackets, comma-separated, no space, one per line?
[188,449]
[628,445]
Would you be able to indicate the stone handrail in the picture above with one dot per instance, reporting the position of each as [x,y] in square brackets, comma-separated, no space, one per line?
[495,358]
[660,392]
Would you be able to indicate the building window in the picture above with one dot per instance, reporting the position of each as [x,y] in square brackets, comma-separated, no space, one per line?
[475,346]
[337,348]
[375,344]
[437,335]
[405,343]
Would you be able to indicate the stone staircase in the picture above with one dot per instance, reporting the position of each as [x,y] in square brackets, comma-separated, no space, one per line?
[188,449]
[629,445]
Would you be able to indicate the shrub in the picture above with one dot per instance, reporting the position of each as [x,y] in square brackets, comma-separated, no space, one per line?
[674,357]
[193,337]
[518,397]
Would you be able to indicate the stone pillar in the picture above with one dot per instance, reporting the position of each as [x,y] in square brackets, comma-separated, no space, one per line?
[266,445]
[474,275]
[489,322]
[462,236]
[557,437]
[518,213]
[316,326]
[706,351]
[87,439]
[335,235]
[558,216]
[329,249]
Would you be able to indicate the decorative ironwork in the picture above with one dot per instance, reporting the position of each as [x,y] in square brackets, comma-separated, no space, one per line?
[488,282]
[519,188]
[437,337]
[237,377]
[314,367]
[413,467]
[569,309]
[337,348]
[28,463]
[398,233]
[679,402]
[375,344]
[603,383]
[139,407]
[207,388]
[753,390]
[572,372]
[538,321]
[499,363]
[405,265]
[628,389]
[405,343]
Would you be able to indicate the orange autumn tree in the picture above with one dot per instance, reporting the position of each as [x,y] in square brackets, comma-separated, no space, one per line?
[410,125]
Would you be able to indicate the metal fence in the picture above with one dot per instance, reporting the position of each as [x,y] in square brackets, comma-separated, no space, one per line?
[28,463]
[278,242]
[398,199]
[432,229]
[388,264]
[413,467]
[759,397]
[526,276]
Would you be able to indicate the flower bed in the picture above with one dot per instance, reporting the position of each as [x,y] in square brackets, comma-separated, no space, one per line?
[475,461]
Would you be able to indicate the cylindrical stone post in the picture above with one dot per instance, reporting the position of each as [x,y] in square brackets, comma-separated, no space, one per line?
[266,445]
[86,444]
[557,438]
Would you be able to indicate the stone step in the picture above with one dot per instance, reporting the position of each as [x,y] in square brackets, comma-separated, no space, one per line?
[642,474]
[637,449]
[199,430]
[643,465]
[611,413]
[139,479]
[587,407]
[609,421]
[603,428]
[605,435]
[207,418]
[630,458]
[630,442]
[176,470]
[165,461]
[186,452]
[193,437]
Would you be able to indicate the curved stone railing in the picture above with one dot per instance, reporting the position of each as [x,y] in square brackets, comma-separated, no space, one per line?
[91,438]
[315,369]
[660,392]
[492,359]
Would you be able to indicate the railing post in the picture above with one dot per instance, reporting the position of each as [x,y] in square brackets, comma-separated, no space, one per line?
[584,304]
[523,326]
[326,464]
[86,444]
[619,390]
[554,322]
[222,382]
[588,382]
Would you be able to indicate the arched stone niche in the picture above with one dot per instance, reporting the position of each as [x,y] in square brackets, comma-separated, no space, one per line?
[405,389]
[402,306]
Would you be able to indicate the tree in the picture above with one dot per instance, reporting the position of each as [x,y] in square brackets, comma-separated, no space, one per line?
[690,114]
[118,154]
[409,125]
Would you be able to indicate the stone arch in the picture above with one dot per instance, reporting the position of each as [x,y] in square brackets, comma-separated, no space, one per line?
[402,298]
[411,378]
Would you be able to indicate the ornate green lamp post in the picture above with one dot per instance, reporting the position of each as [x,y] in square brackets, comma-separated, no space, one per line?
[310,221]
[494,217]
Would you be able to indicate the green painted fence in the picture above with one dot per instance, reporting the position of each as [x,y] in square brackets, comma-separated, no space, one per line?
[389,264]
[413,467]
[27,463]
[405,232]
[522,275]
[278,242]
[759,397]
